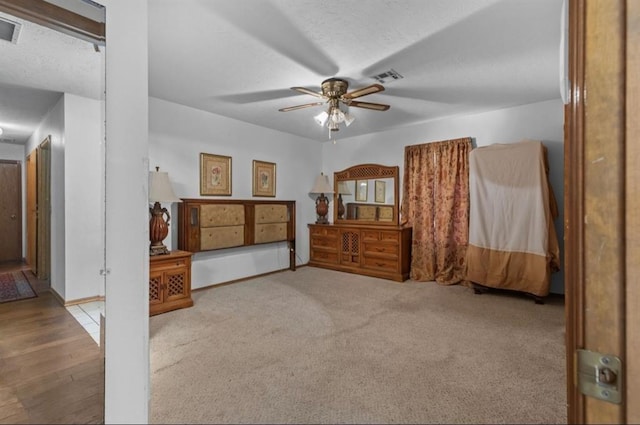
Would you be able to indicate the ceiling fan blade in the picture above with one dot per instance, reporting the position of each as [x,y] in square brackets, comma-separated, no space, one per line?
[373,88]
[306,105]
[369,105]
[307,91]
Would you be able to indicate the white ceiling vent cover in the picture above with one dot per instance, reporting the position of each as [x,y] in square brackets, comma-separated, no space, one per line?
[385,77]
[9,30]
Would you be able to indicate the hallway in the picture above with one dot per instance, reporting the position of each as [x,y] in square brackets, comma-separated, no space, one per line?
[52,370]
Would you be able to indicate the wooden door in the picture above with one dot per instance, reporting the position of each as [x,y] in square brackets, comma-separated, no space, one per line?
[43,196]
[32,213]
[602,223]
[10,211]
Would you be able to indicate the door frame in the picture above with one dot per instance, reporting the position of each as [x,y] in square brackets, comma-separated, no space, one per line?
[31,214]
[43,209]
[601,201]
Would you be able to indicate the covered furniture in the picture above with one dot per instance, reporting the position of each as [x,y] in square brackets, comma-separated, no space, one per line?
[512,239]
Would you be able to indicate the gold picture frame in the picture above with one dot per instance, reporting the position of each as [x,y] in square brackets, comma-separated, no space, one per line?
[362,188]
[215,174]
[264,178]
[380,191]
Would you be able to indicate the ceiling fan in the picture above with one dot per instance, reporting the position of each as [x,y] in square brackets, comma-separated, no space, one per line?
[334,92]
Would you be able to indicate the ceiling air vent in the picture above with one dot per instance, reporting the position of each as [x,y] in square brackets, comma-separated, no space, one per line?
[9,30]
[387,76]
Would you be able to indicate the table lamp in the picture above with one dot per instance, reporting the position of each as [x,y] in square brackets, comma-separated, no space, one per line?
[322,186]
[160,190]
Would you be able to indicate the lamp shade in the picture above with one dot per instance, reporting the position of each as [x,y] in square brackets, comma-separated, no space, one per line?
[160,189]
[321,185]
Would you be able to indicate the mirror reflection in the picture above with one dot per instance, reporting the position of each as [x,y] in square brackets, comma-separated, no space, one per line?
[373,198]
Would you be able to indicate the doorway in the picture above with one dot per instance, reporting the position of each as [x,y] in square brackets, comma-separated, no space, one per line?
[54,169]
[10,211]
[38,188]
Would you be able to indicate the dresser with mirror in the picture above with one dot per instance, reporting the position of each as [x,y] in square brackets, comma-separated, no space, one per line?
[365,237]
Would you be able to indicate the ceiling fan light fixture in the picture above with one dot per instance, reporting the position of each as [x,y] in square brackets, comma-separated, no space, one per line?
[321,118]
[334,91]
[348,119]
[337,116]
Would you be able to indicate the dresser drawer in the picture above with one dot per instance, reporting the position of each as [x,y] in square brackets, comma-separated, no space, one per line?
[324,231]
[324,242]
[389,249]
[380,235]
[170,264]
[380,263]
[322,256]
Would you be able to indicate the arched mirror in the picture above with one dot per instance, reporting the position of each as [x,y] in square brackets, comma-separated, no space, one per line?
[366,194]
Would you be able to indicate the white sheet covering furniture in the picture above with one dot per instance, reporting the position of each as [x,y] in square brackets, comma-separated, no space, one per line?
[512,239]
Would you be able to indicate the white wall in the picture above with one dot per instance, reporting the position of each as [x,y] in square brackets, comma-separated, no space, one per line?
[127,218]
[84,197]
[177,136]
[12,152]
[77,206]
[542,121]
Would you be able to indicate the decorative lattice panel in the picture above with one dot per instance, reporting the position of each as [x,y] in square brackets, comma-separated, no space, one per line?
[367,172]
[154,289]
[350,243]
[175,284]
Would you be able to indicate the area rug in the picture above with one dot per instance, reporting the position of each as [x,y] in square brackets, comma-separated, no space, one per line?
[14,286]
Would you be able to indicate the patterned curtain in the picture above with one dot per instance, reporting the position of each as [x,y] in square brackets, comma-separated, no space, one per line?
[435,203]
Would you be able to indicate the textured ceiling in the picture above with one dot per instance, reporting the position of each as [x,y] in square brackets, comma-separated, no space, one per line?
[240,58]
[36,70]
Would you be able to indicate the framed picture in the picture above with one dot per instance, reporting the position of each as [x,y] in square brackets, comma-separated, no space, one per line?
[380,187]
[215,174]
[362,187]
[264,178]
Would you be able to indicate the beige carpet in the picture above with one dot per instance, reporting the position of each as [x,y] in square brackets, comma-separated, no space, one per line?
[318,346]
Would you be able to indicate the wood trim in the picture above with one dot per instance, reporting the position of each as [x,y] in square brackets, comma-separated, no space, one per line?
[83,300]
[632,210]
[57,18]
[57,296]
[574,210]
[43,203]
[31,214]
[604,142]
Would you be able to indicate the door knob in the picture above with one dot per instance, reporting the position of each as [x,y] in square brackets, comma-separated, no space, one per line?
[13,216]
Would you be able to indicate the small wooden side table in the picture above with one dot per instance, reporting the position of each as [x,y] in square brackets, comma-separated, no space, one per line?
[169,282]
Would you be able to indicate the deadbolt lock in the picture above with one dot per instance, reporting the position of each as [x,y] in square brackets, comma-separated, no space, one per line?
[600,375]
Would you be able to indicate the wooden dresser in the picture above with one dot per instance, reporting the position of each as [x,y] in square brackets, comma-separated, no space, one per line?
[169,282]
[379,251]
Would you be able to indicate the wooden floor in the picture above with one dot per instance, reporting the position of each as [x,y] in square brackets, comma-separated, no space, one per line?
[51,370]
